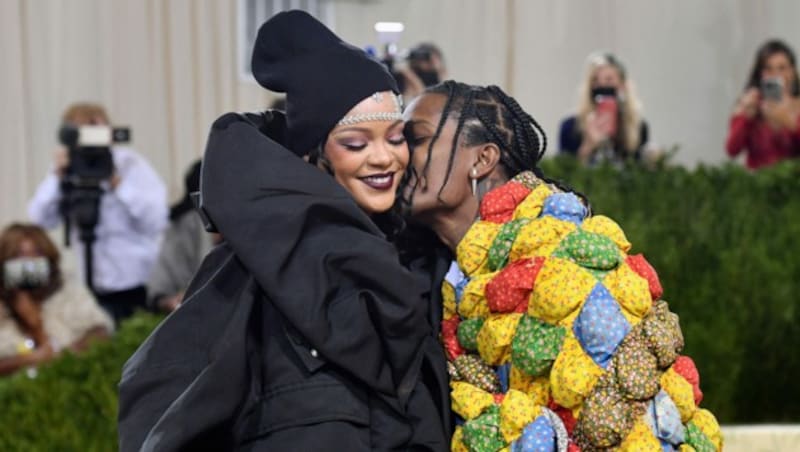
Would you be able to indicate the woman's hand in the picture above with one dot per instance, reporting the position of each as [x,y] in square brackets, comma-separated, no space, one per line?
[28,310]
[748,104]
[782,114]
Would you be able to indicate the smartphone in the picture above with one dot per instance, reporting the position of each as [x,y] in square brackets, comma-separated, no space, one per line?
[606,106]
[772,88]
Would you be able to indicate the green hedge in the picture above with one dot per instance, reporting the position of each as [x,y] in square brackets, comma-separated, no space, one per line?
[726,245]
[72,404]
[724,242]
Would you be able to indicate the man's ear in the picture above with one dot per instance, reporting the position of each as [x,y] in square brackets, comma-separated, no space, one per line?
[487,159]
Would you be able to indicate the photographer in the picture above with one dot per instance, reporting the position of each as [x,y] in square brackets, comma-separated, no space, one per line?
[424,67]
[766,120]
[40,312]
[131,214]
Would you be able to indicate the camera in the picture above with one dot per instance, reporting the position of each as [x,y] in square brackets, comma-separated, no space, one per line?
[26,273]
[90,164]
[90,160]
[772,88]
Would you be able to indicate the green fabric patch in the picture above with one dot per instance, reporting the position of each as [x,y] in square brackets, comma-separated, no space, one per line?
[589,250]
[503,241]
[536,345]
[468,333]
[482,434]
[697,439]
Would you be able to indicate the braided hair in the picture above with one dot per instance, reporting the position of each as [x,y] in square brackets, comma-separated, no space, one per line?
[489,115]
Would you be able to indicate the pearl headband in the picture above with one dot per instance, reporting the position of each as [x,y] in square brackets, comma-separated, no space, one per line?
[378,116]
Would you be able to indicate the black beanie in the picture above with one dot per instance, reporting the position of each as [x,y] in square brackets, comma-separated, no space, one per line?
[323,77]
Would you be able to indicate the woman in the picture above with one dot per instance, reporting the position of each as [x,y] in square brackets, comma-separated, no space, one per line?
[40,313]
[609,124]
[766,120]
[301,331]
[555,336]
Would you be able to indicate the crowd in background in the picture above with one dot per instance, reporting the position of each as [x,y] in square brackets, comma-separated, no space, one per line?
[144,253]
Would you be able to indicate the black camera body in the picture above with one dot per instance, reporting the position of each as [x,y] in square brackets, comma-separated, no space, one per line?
[90,164]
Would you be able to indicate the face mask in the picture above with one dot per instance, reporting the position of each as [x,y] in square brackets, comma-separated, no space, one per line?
[26,273]
[429,78]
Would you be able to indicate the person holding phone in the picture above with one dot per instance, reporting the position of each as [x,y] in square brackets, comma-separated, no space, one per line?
[766,120]
[609,125]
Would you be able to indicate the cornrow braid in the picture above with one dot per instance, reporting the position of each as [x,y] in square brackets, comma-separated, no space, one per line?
[489,115]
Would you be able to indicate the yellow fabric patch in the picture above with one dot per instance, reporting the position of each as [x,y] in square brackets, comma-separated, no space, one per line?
[494,338]
[574,374]
[640,439]
[708,424]
[448,301]
[630,290]
[531,206]
[686,448]
[537,388]
[473,299]
[680,391]
[469,401]
[569,320]
[472,252]
[516,411]
[608,227]
[540,237]
[560,288]
[457,443]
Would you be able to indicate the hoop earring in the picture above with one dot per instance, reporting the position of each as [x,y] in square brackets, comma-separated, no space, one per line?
[474,173]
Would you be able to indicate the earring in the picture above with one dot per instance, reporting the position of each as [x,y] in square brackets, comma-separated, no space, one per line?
[474,173]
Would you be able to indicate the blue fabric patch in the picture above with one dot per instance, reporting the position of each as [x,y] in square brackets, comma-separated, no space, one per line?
[565,206]
[503,372]
[457,279]
[668,420]
[538,436]
[600,326]
[666,447]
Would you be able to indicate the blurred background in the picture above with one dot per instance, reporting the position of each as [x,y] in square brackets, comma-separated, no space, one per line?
[168,68]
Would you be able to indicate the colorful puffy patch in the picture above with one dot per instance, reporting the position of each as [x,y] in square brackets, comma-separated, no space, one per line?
[448,300]
[494,338]
[630,290]
[600,326]
[635,368]
[472,251]
[574,374]
[449,339]
[457,442]
[536,345]
[482,434]
[498,252]
[468,333]
[641,439]
[537,388]
[698,440]
[468,401]
[643,268]
[499,204]
[606,418]
[516,411]
[589,250]
[680,391]
[663,334]
[531,207]
[511,288]
[472,370]
[685,367]
[538,436]
[708,424]
[603,225]
[560,288]
[540,237]
[566,207]
[473,299]
[665,420]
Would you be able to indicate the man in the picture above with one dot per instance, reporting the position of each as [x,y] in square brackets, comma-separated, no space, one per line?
[132,215]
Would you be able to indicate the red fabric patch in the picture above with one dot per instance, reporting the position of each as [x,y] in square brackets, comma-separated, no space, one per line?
[684,366]
[498,398]
[566,416]
[572,447]
[510,290]
[498,205]
[449,338]
[643,268]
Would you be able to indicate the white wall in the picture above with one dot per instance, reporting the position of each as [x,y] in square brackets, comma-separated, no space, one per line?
[167,68]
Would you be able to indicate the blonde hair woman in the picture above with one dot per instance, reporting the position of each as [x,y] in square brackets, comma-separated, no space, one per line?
[609,123]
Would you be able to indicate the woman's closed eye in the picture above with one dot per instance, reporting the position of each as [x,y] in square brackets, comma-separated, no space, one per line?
[353,145]
[397,140]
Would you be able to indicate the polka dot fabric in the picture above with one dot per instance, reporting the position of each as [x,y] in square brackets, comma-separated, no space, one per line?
[558,338]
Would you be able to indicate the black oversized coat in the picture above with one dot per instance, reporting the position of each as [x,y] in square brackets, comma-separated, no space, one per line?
[300,332]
